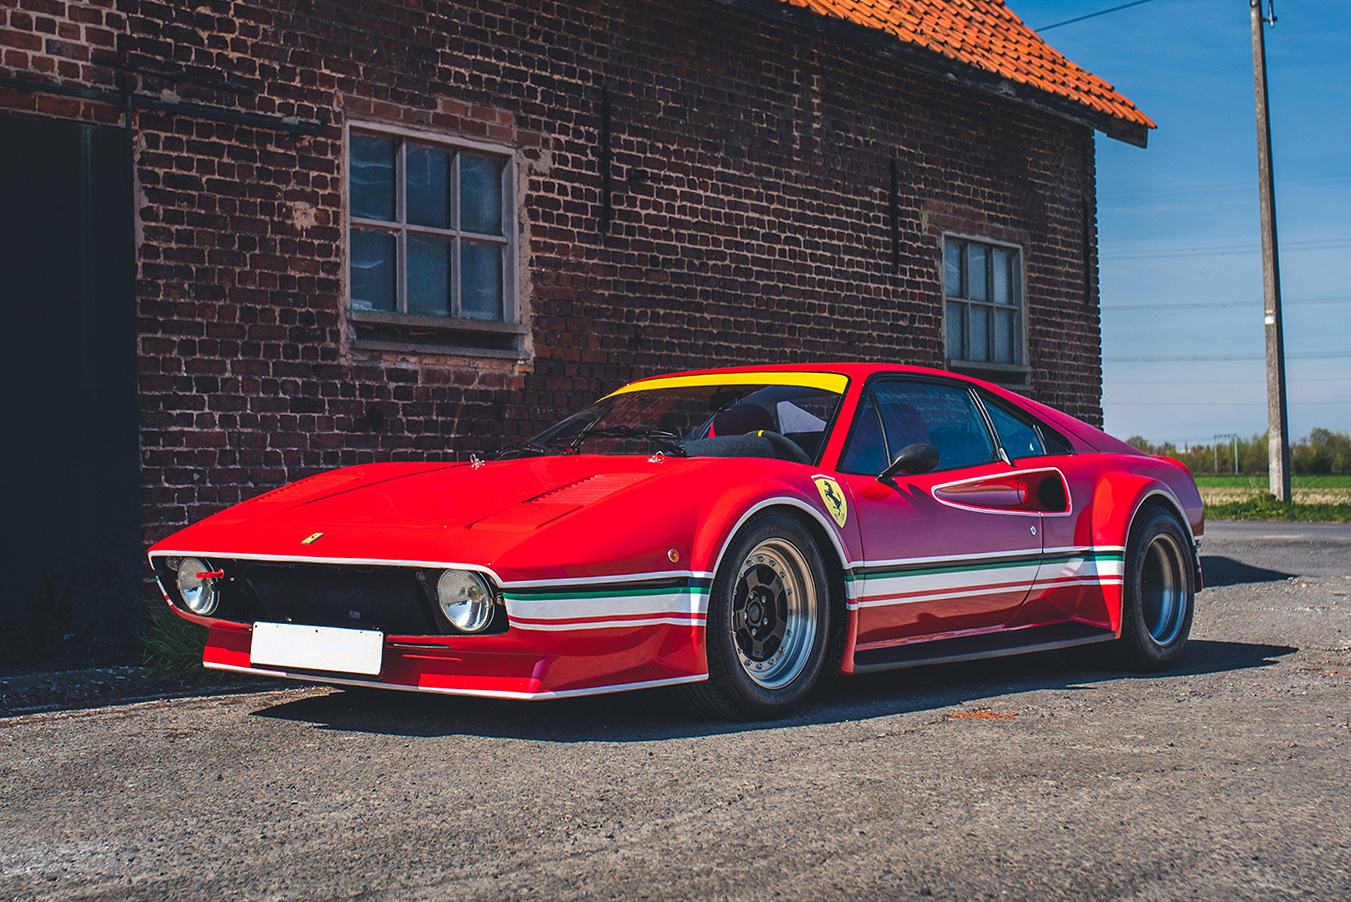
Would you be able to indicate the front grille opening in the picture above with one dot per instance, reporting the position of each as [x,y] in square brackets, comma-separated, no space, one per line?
[369,598]
[390,599]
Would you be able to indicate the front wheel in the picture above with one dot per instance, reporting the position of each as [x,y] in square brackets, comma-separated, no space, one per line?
[1158,594]
[768,623]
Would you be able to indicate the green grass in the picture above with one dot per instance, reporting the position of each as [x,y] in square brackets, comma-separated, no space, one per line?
[1312,481]
[173,646]
[1264,506]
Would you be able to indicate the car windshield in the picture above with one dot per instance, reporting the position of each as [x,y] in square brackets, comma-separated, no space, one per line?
[695,420]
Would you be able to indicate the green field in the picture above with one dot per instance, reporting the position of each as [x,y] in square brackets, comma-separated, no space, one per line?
[1265,507]
[1316,481]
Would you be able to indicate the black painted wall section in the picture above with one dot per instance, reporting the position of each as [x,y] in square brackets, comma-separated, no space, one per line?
[68,403]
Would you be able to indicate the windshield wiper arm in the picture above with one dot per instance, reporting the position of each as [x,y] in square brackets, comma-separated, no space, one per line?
[668,441]
[521,449]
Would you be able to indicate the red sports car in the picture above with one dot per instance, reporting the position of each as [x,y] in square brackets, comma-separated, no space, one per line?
[737,532]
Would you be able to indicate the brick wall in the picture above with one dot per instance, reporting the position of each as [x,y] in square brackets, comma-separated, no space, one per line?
[751,181]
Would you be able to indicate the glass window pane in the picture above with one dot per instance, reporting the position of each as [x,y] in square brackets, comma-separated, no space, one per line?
[372,177]
[866,452]
[980,333]
[1003,336]
[373,270]
[1019,439]
[480,280]
[428,275]
[956,332]
[939,415]
[999,273]
[428,174]
[976,257]
[952,268]
[480,194]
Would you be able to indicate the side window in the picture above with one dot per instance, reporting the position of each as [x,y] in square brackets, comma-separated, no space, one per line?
[1021,438]
[910,412]
[867,452]
[1055,442]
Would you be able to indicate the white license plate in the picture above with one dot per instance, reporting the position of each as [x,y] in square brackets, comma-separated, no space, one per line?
[317,648]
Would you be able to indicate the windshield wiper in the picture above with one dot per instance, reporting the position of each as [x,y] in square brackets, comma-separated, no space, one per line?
[525,449]
[667,441]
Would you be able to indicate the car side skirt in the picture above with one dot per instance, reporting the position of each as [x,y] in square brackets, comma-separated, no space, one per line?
[1001,643]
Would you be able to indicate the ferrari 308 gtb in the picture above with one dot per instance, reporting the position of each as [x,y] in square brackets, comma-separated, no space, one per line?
[736,533]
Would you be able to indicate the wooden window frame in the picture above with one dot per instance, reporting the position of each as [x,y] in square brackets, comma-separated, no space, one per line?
[1014,373]
[399,330]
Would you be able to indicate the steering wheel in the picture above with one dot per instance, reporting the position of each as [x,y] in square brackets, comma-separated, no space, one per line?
[786,448]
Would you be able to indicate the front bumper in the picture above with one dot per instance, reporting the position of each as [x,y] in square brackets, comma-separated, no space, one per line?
[508,666]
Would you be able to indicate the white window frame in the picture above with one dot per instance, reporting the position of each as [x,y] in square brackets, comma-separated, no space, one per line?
[999,371]
[399,330]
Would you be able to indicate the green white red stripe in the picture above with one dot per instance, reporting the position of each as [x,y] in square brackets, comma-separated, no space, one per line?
[912,581]
[682,601]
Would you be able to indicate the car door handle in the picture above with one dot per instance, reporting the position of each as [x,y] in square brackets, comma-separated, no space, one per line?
[1027,491]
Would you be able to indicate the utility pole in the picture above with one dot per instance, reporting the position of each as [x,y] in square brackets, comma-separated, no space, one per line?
[1277,417]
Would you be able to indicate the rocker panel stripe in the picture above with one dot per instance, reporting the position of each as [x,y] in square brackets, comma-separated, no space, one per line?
[937,579]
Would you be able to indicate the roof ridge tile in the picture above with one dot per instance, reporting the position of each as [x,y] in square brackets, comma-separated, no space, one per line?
[986,35]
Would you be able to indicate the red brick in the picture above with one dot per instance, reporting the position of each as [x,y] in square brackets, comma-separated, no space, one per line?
[749,217]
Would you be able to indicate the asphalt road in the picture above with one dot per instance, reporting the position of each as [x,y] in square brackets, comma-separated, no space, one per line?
[1024,778]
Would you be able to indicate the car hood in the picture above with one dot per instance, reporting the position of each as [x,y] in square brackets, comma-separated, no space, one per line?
[528,518]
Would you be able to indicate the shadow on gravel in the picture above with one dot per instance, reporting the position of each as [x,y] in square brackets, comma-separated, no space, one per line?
[656,714]
[1223,571]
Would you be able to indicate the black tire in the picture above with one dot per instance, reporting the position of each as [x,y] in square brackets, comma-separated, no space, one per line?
[1158,595]
[768,625]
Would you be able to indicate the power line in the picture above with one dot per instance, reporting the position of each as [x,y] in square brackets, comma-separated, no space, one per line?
[1330,355]
[1108,198]
[1251,305]
[1102,12]
[1112,383]
[1219,403]
[1225,250]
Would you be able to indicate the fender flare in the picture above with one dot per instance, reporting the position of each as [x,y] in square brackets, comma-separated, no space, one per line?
[1113,530]
[827,526]
[836,547]
[1111,525]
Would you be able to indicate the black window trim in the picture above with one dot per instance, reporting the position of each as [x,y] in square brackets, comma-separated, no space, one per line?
[865,394]
[984,396]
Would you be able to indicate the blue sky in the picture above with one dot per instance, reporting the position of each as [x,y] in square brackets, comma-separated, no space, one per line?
[1181,271]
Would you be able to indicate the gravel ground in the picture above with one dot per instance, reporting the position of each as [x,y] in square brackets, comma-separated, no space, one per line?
[1026,778]
[34,691]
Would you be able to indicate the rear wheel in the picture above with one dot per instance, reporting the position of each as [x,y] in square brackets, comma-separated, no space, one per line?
[1158,595]
[768,623]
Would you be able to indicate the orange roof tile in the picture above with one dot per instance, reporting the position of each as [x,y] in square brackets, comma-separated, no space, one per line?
[989,36]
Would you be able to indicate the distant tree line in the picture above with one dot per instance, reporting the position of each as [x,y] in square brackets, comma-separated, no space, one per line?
[1323,451]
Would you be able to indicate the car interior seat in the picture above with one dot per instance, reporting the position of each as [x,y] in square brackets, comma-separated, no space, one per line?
[741,419]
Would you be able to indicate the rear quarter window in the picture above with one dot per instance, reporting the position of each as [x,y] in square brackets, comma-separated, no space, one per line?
[1022,436]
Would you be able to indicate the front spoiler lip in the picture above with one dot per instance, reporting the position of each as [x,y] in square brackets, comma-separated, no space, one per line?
[309,676]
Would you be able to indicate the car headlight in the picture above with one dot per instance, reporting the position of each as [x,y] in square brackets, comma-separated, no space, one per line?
[196,588]
[465,599]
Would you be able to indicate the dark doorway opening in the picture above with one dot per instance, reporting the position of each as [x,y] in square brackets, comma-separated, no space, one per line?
[71,524]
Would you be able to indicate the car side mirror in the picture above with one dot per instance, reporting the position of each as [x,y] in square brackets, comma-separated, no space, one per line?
[917,458]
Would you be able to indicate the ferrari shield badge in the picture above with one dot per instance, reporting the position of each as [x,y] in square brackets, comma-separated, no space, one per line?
[833,497]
